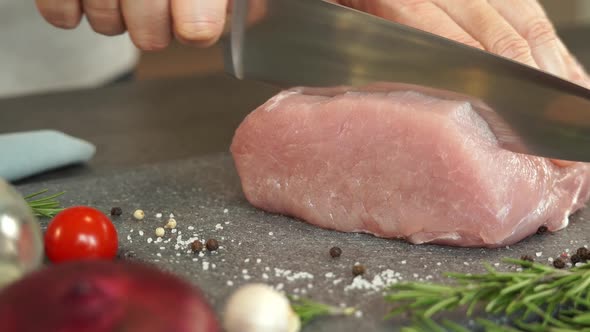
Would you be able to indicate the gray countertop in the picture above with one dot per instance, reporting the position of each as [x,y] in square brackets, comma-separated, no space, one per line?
[162,147]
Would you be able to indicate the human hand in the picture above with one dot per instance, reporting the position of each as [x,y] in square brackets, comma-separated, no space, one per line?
[519,30]
[151,23]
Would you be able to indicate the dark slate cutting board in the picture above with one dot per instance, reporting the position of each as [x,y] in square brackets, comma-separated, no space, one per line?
[204,194]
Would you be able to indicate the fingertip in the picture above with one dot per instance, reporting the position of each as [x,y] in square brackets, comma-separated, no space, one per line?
[199,22]
[61,14]
[203,33]
[149,44]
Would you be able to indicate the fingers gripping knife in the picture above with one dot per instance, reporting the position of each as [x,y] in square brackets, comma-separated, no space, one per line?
[317,43]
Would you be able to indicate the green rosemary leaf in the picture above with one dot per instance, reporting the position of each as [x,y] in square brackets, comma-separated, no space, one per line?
[453,327]
[308,310]
[47,206]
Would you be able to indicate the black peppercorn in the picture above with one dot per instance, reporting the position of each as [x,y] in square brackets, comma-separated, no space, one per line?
[335,252]
[527,258]
[559,263]
[358,270]
[116,211]
[584,254]
[197,246]
[575,259]
[542,230]
[212,245]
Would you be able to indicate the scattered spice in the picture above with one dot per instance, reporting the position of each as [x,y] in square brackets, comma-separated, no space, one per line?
[138,214]
[575,259]
[197,246]
[126,254]
[335,252]
[527,258]
[542,230]
[160,232]
[584,253]
[116,211]
[357,270]
[558,263]
[212,245]
[171,223]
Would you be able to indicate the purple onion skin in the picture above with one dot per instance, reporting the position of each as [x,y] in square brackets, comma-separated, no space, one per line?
[104,296]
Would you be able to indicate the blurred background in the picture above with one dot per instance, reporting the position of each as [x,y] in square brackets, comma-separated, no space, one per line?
[569,16]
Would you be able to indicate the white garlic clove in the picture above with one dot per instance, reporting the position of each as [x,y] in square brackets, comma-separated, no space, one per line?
[294,321]
[259,308]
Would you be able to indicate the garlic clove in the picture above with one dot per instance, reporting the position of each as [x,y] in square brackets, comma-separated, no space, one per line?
[294,321]
[259,308]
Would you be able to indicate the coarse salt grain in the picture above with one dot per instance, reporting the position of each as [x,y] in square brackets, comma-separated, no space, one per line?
[230,283]
[378,283]
[150,240]
[270,233]
[158,215]
[403,262]
[466,263]
[205,266]
[225,210]
[171,215]
[227,222]
[358,314]
[258,260]
[218,227]
[247,260]
[329,275]
[159,255]
[539,254]
[438,263]
[264,276]
[140,233]
[190,228]
[246,277]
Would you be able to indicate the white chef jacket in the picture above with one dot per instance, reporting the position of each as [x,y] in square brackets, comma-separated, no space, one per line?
[36,57]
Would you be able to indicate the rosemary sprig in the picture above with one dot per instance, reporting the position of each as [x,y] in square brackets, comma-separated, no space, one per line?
[308,310]
[538,298]
[47,206]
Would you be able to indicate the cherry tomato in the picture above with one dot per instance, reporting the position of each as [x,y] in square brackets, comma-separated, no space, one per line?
[78,233]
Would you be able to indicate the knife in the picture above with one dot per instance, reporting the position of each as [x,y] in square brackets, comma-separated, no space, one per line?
[315,43]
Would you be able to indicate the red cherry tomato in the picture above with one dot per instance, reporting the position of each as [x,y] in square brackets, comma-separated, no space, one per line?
[79,233]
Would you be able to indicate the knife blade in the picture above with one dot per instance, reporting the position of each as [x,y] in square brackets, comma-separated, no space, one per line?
[315,43]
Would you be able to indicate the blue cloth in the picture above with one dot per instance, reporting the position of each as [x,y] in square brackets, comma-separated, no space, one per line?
[24,154]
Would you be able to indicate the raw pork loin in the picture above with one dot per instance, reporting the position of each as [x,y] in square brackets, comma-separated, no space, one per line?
[398,163]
